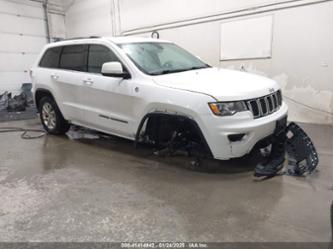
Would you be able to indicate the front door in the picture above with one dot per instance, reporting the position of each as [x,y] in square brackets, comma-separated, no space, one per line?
[109,102]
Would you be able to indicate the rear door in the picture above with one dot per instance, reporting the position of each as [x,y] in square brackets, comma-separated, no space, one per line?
[109,101]
[69,80]
[57,73]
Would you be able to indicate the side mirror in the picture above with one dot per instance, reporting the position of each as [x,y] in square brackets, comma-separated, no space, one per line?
[114,69]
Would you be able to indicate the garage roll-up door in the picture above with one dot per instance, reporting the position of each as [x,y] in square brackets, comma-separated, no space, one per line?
[22,36]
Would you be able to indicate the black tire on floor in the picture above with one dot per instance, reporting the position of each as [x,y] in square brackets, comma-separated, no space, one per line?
[51,117]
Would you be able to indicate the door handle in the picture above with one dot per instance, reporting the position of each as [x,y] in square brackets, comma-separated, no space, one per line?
[54,76]
[88,82]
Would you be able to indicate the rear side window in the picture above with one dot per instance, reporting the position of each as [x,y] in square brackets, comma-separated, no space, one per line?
[74,58]
[98,55]
[51,58]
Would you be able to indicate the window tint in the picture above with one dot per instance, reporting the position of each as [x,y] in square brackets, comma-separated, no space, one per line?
[74,57]
[51,58]
[98,55]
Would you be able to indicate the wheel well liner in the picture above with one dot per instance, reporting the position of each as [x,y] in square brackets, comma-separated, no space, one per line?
[39,94]
[192,122]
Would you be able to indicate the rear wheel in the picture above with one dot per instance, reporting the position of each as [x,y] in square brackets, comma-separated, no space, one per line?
[51,117]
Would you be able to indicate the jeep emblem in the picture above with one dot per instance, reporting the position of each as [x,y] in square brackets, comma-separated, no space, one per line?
[271,90]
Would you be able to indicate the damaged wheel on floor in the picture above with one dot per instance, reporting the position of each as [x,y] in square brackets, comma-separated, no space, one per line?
[51,117]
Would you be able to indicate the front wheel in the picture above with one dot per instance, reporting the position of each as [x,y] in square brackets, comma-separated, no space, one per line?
[51,117]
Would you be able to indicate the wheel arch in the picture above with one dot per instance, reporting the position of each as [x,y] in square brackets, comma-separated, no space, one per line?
[40,93]
[191,121]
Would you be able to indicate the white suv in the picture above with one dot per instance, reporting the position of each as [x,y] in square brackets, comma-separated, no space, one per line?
[152,91]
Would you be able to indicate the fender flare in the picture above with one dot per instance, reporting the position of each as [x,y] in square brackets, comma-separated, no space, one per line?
[161,114]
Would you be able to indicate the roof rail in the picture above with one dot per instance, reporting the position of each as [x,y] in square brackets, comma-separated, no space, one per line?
[78,38]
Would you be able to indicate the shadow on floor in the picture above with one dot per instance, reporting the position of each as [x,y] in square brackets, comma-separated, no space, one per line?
[233,166]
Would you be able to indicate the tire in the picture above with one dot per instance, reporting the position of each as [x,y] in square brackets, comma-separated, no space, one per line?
[51,117]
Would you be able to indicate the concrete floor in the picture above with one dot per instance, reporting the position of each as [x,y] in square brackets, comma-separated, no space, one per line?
[57,189]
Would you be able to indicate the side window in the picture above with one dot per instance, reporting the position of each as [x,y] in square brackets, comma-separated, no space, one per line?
[98,55]
[74,57]
[51,58]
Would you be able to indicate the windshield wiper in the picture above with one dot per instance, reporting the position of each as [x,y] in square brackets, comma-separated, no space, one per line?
[195,68]
[168,71]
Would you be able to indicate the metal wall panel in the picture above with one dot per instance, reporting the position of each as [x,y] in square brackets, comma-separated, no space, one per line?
[22,36]
[28,9]
[15,62]
[21,25]
[15,43]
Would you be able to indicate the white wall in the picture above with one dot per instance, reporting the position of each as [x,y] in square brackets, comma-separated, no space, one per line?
[88,18]
[56,18]
[302,58]
[143,13]
[302,49]
[57,26]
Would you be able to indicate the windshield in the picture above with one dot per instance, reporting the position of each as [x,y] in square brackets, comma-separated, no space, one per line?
[161,58]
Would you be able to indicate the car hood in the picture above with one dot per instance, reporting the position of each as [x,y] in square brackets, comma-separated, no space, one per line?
[222,84]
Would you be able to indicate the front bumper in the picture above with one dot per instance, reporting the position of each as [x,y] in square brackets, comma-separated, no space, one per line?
[217,131]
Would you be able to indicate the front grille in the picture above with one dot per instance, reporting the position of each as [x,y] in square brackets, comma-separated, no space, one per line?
[266,105]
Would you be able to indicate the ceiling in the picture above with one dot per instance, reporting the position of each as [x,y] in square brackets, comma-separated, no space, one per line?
[57,5]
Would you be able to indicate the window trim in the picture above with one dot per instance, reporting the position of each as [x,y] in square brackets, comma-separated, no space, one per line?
[87,59]
[61,50]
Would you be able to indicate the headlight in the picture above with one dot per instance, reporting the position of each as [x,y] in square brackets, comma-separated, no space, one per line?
[227,108]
